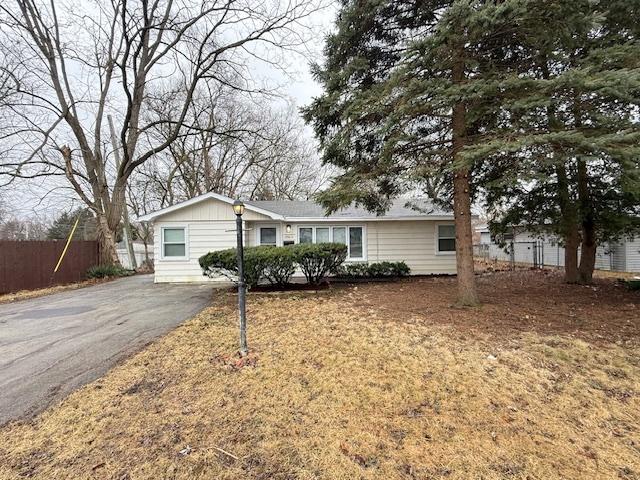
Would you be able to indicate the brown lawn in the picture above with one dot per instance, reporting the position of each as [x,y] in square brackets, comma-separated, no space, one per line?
[374,381]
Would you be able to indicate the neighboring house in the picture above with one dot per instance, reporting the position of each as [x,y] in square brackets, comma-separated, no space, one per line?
[622,256]
[424,239]
[138,251]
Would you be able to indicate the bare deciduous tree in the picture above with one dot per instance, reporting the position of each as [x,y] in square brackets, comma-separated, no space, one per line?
[240,149]
[79,61]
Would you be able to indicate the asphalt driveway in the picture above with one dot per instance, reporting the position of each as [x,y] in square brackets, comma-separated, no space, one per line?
[51,345]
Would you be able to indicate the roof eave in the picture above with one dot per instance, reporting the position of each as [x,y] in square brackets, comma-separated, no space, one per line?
[386,218]
[195,200]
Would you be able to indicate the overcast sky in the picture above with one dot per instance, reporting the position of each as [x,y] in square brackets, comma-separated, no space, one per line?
[297,86]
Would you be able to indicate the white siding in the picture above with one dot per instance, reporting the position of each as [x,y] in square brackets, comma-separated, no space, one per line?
[202,237]
[210,226]
[632,255]
[411,242]
[619,257]
[138,251]
[603,257]
[208,210]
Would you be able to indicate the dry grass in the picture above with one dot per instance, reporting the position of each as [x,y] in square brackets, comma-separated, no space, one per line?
[336,389]
[41,292]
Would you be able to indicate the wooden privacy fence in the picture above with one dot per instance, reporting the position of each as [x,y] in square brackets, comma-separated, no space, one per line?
[27,265]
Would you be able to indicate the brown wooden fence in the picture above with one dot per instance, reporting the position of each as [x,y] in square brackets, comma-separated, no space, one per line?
[29,265]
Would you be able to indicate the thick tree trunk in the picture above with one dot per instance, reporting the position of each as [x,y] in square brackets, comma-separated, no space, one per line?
[589,241]
[587,257]
[571,244]
[107,243]
[569,226]
[467,294]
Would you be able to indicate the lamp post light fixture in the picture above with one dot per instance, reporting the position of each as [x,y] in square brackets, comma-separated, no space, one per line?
[238,209]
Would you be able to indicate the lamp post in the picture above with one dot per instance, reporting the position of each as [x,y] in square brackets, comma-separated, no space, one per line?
[238,209]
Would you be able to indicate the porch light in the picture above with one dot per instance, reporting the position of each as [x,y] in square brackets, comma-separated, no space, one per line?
[288,228]
[238,207]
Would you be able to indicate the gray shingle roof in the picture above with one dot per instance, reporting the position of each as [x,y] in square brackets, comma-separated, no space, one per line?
[310,209]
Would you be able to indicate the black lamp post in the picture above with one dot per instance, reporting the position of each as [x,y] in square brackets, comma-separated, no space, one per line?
[238,209]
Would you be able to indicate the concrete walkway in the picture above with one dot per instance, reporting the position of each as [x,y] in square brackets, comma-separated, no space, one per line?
[51,345]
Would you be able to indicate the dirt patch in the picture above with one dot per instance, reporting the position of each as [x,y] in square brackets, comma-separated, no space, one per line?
[290,287]
[514,302]
[381,381]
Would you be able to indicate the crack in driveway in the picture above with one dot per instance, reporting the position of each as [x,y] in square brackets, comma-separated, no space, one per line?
[49,346]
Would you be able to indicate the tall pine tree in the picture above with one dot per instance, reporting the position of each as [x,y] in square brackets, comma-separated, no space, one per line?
[409,87]
[534,101]
[568,162]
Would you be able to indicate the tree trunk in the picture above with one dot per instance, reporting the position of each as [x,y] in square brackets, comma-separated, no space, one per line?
[569,221]
[467,294]
[107,243]
[571,243]
[569,225]
[587,256]
[589,241]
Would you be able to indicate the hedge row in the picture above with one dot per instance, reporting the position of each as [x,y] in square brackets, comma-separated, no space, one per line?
[374,270]
[277,264]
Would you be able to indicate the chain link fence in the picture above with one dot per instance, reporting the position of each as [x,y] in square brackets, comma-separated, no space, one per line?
[538,254]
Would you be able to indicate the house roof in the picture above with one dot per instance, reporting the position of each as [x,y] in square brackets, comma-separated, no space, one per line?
[307,210]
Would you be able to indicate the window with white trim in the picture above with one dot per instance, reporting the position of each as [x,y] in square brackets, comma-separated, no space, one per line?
[268,236]
[446,238]
[352,237]
[174,243]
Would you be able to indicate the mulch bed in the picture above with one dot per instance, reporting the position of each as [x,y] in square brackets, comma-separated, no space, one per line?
[514,302]
[292,287]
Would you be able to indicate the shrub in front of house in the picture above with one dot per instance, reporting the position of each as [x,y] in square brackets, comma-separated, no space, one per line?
[353,270]
[280,265]
[277,264]
[225,262]
[104,271]
[318,260]
[374,270]
[397,269]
